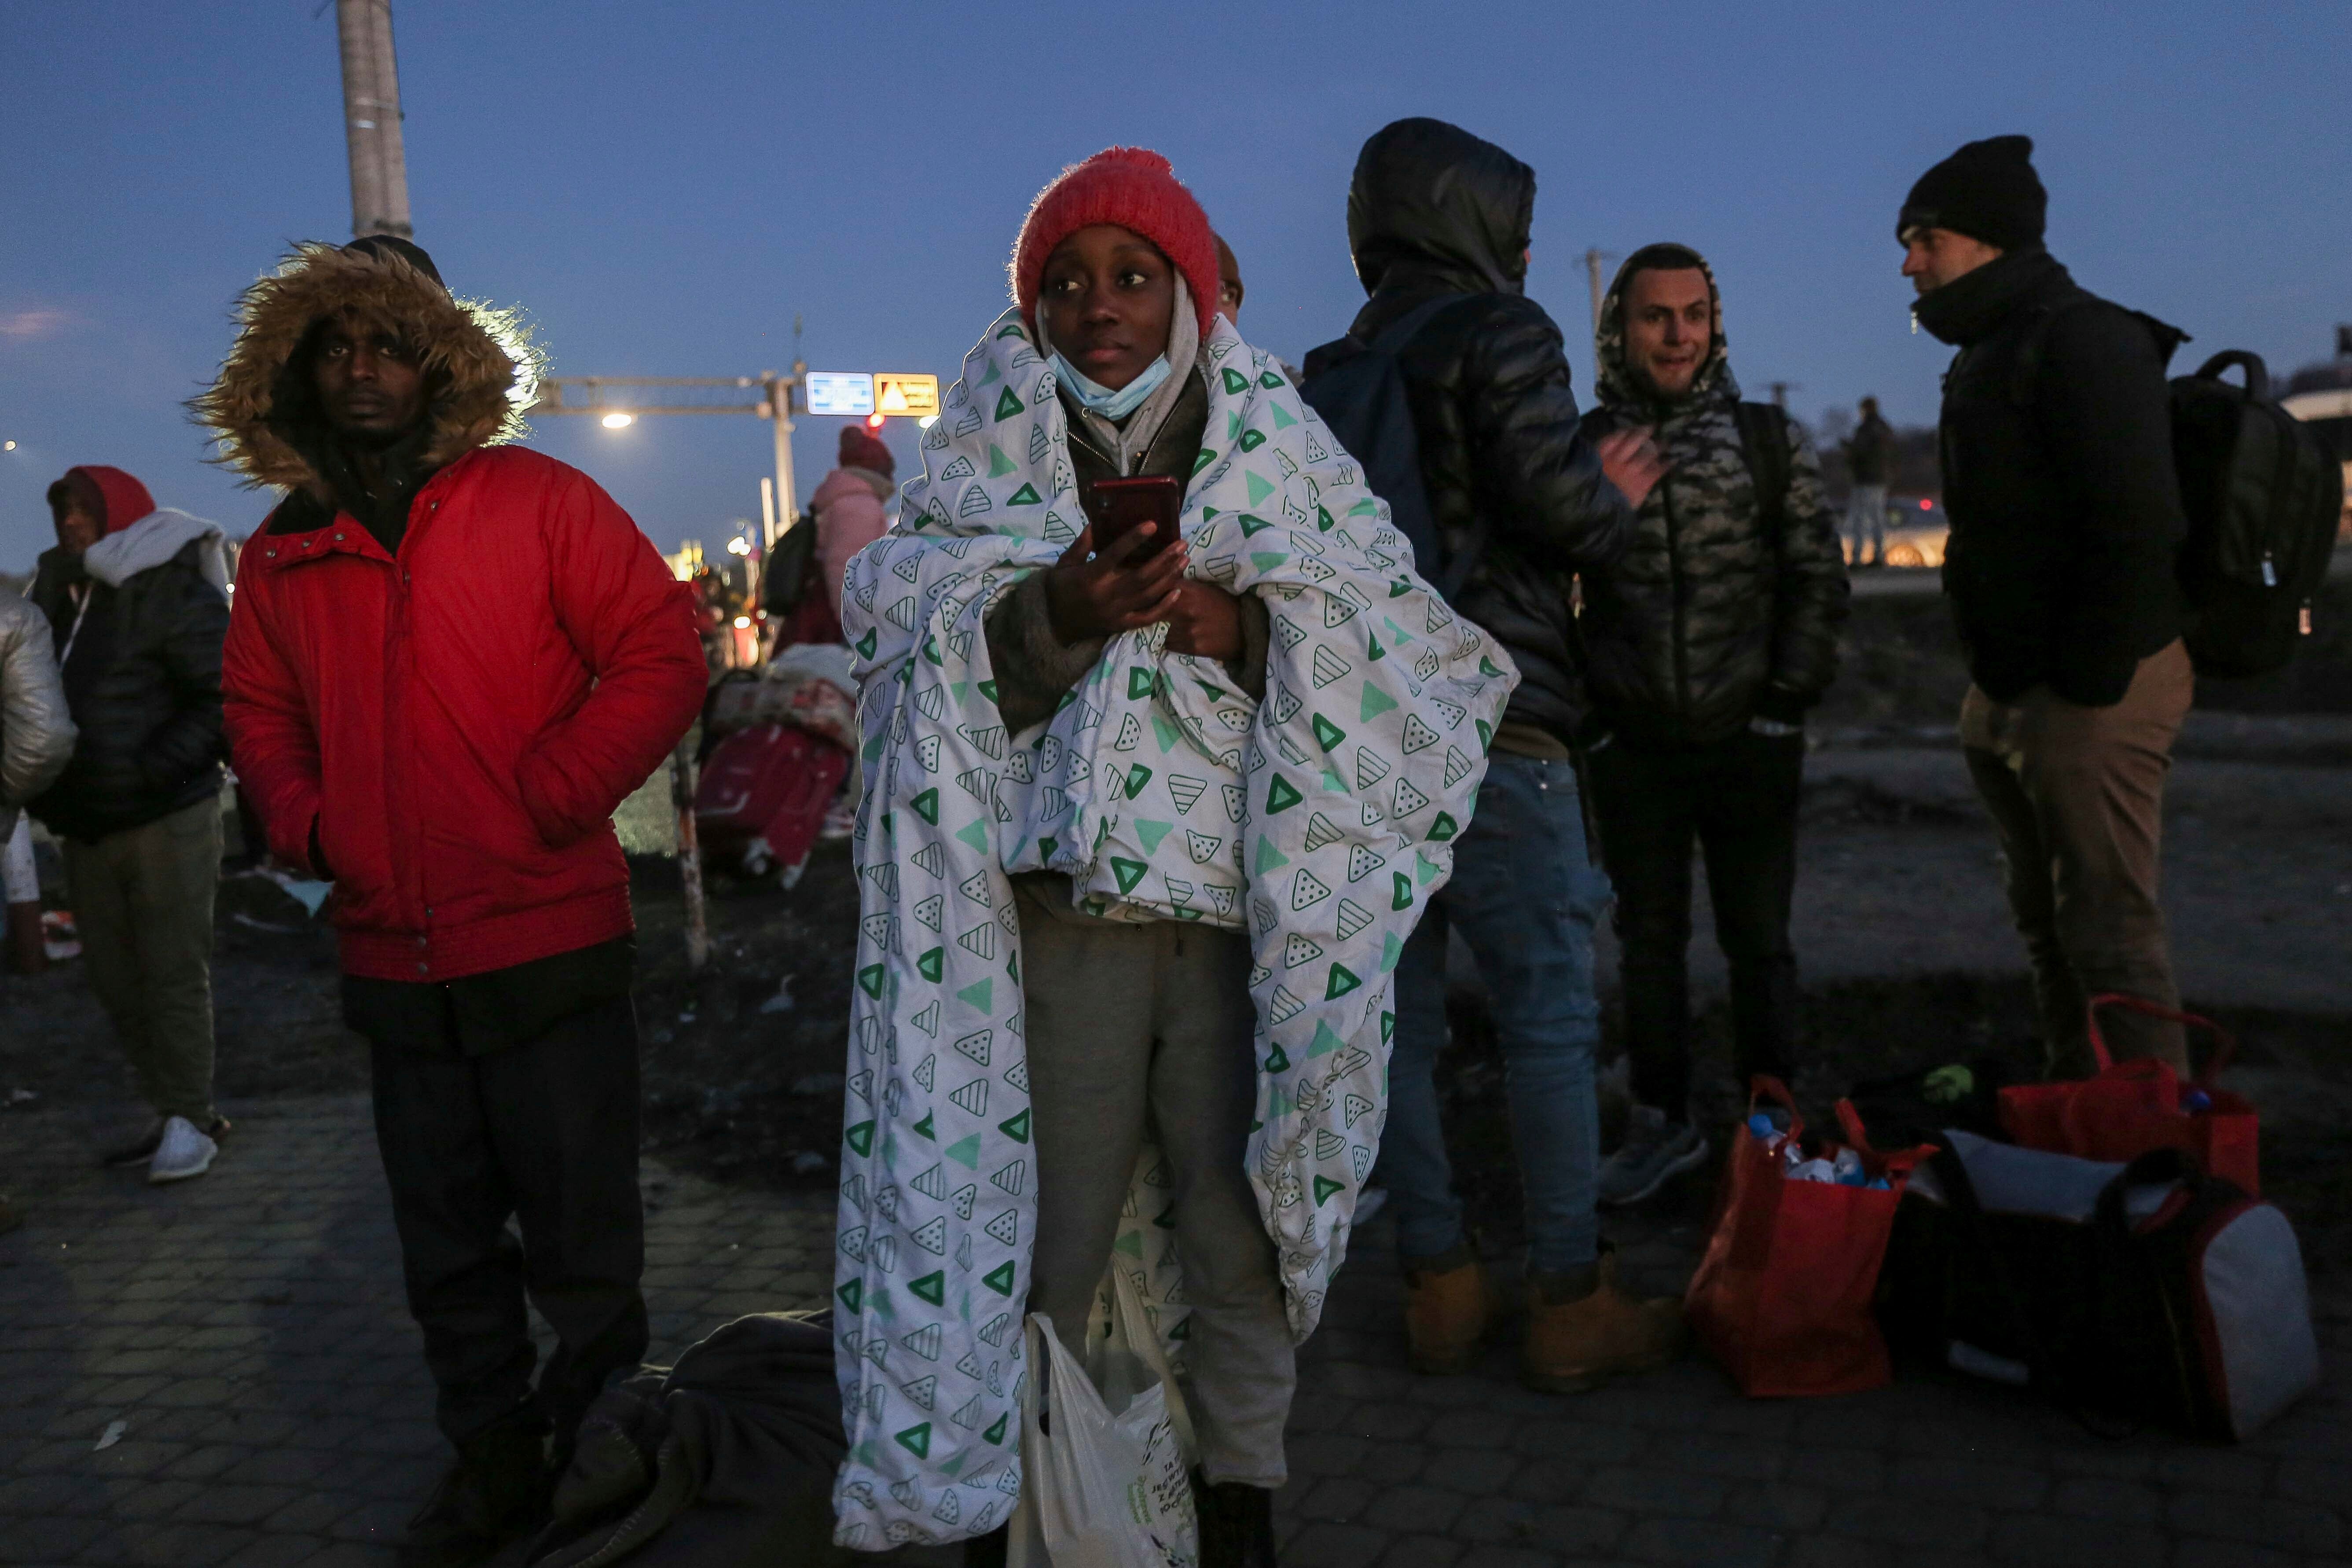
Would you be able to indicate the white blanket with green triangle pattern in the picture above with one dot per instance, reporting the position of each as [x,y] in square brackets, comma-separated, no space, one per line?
[1317,821]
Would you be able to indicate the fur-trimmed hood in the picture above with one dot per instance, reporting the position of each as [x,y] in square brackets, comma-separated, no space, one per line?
[484,369]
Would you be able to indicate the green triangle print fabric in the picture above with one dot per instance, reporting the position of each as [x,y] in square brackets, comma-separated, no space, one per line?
[1318,822]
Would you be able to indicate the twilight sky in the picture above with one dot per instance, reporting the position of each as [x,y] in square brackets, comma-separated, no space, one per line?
[663,188]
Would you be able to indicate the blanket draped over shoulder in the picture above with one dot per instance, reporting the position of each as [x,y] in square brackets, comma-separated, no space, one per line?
[1317,821]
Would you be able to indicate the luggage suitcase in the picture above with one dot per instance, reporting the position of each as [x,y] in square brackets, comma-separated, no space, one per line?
[763,798]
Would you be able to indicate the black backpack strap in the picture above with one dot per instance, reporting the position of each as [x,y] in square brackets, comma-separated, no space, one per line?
[2026,367]
[1764,443]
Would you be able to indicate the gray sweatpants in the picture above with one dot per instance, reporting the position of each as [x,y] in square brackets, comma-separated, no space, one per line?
[1136,1029]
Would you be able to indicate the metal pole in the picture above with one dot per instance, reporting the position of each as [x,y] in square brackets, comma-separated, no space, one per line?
[1592,272]
[690,854]
[372,119]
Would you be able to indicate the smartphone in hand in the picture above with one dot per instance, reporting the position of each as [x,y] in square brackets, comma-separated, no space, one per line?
[1120,506]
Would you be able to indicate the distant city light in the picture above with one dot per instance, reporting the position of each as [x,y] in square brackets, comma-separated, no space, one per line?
[738,546]
[1925,505]
[619,421]
[927,421]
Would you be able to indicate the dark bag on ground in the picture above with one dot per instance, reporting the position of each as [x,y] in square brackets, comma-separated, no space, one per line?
[1361,395]
[1906,1108]
[2147,1291]
[725,1460]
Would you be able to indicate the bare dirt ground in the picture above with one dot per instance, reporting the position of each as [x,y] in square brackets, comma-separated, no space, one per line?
[1908,957]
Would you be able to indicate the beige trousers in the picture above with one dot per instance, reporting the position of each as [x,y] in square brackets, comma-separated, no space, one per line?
[142,901]
[2077,800]
[1135,1027]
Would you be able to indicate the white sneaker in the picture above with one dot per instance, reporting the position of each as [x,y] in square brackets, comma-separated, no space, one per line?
[183,1153]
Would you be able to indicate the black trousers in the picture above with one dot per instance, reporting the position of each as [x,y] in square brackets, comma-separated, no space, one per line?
[544,1131]
[1738,799]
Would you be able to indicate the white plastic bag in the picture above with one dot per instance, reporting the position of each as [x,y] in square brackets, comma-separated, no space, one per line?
[1104,1488]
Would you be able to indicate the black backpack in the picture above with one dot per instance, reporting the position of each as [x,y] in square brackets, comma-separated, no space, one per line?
[783,579]
[2263,495]
[1359,392]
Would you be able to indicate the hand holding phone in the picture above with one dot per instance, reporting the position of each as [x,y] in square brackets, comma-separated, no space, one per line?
[1097,588]
[1121,507]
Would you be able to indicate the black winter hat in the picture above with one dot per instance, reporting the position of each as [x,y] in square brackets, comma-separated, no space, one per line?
[408,250]
[1988,190]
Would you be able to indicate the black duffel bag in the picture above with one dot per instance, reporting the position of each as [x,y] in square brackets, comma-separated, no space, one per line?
[2148,1292]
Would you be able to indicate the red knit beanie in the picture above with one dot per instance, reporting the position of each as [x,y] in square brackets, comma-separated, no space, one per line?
[860,451]
[1137,189]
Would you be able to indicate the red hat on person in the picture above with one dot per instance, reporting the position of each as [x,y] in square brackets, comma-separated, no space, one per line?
[110,495]
[861,451]
[1137,189]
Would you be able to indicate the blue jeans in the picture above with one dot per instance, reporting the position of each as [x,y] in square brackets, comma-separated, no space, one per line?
[1526,897]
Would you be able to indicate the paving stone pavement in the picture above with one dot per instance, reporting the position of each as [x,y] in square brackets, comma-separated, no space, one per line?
[248,1333]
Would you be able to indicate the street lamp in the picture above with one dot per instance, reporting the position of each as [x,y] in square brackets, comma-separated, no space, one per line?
[585,395]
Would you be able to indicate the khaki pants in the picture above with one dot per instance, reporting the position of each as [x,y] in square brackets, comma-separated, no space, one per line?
[1131,1027]
[142,903]
[2078,797]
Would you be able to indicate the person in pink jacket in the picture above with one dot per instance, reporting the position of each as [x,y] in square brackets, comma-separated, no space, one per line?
[850,505]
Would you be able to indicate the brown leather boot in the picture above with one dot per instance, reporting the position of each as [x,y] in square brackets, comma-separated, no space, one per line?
[1448,1309]
[1582,1329]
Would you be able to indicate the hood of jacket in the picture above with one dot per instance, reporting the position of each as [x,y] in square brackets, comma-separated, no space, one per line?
[118,498]
[1617,387]
[157,538]
[482,369]
[1431,202]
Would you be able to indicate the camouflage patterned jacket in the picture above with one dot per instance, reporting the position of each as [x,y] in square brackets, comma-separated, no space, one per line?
[1708,619]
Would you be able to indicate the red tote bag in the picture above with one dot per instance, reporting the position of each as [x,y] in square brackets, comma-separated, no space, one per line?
[2133,1107]
[1783,1297]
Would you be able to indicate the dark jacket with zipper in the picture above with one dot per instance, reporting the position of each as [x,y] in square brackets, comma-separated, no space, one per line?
[1435,211]
[1718,612]
[2058,476]
[143,681]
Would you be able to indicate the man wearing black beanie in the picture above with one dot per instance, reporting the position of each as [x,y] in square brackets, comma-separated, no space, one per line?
[2066,515]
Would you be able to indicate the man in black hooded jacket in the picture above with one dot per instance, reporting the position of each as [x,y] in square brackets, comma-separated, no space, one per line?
[2066,519]
[1525,502]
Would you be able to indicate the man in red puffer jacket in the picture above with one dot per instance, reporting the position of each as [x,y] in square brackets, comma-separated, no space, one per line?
[448,662]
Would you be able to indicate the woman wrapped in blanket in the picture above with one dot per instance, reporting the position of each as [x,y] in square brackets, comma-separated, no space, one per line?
[1142,1028]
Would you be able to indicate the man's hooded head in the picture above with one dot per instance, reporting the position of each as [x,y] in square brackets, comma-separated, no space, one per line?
[108,500]
[1622,381]
[479,370]
[1430,200]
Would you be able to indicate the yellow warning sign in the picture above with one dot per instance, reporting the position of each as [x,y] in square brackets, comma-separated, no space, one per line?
[914,396]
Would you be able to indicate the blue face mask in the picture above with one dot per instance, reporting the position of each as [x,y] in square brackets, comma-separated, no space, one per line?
[1098,399]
